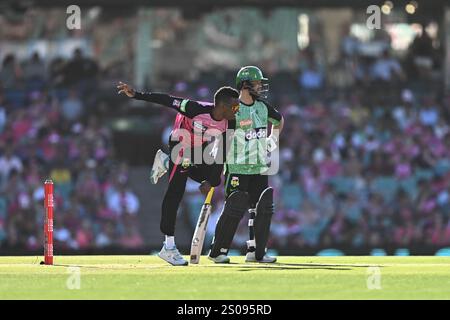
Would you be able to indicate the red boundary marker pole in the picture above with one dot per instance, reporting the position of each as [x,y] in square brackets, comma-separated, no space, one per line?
[48,222]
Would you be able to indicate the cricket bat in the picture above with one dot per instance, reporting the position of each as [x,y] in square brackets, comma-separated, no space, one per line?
[200,229]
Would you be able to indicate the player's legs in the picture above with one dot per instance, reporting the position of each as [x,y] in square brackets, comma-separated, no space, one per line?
[201,172]
[251,246]
[261,212]
[174,194]
[171,202]
[257,186]
[198,172]
[172,256]
[236,204]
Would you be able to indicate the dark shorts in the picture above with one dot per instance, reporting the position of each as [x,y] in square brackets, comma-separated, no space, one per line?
[254,184]
[183,167]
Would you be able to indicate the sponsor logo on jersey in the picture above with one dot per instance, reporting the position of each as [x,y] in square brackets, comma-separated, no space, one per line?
[256,133]
[199,126]
[245,123]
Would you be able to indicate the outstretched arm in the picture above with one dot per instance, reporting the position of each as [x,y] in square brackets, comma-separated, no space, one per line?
[126,89]
[187,107]
[159,98]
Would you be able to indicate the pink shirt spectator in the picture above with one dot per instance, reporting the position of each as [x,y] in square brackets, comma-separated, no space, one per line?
[329,168]
[21,128]
[83,238]
[131,241]
[403,170]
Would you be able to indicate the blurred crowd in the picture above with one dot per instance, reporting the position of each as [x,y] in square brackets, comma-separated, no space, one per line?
[49,130]
[357,174]
[364,156]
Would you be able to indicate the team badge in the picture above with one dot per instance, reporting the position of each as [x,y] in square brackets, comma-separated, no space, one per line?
[234,182]
[185,163]
[245,123]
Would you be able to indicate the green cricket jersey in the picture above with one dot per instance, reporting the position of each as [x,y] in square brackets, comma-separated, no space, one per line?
[248,149]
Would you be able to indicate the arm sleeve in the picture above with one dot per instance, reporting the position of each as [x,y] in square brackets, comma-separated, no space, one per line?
[186,107]
[273,114]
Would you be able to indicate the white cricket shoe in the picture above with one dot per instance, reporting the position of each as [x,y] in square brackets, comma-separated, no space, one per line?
[172,256]
[160,166]
[220,259]
[250,257]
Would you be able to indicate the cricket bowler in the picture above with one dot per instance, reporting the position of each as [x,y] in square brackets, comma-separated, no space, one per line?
[198,120]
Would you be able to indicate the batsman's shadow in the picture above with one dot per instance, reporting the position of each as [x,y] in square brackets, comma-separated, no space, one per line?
[327,265]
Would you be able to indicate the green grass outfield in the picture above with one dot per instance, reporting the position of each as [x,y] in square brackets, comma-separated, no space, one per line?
[148,277]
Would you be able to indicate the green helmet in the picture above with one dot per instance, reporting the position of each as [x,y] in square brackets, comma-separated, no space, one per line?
[251,73]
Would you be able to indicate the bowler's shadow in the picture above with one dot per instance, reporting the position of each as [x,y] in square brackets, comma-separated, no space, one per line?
[288,266]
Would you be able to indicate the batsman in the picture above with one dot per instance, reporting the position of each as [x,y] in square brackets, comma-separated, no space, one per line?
[246,170]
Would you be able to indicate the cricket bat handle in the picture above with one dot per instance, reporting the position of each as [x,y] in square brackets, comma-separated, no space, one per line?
[209,196]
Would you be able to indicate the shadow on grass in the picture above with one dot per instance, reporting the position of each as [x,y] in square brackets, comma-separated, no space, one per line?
[291,268]
[328,265]
[233,265]
[280,266]
[105,267]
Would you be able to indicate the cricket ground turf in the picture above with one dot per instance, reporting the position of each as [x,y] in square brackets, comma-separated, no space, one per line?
[148,277]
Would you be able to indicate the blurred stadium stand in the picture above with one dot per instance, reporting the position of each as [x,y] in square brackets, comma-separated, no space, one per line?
[365,155]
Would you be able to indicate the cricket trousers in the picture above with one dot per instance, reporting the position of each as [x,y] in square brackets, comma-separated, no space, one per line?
[179,171]
[233,212]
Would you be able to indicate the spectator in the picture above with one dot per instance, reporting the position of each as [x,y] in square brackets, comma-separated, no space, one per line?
[387,69]
[429,115]
[79,68]
[35,68]
[11,73]
[106,236]
[123,201]
[131,238]
[2,113]
[9,162]
[72,108]
[422,52]
[311,78]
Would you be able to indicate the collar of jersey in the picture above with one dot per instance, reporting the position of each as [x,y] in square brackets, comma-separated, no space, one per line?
[212,117]
[248,105]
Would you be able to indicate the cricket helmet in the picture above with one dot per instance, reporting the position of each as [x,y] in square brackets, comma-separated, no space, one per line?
[245,80]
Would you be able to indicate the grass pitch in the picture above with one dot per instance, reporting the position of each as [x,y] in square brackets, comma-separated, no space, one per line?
[148,277]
